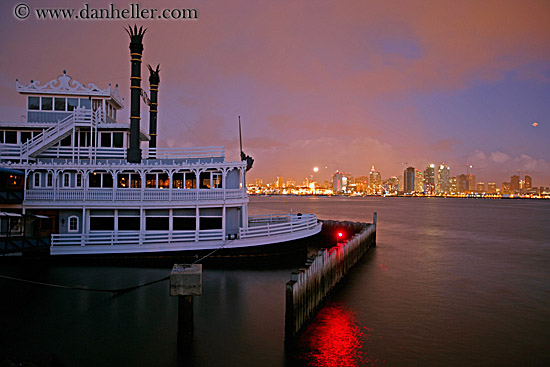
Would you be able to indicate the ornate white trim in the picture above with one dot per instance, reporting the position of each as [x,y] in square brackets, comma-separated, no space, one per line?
[64,84]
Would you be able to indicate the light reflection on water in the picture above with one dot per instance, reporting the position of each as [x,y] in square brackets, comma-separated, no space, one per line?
[336,339]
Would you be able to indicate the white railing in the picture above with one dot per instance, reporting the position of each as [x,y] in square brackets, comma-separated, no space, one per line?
[135,238]
[261,226]
[109,194]
[80,116]
[179,153]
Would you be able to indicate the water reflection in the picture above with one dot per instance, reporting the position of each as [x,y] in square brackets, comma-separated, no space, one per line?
[334,339]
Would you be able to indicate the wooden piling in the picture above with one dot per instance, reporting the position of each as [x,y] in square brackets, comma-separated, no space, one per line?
[185,283]
[309,286]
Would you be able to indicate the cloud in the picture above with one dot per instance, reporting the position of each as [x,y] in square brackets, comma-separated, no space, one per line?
[499,157]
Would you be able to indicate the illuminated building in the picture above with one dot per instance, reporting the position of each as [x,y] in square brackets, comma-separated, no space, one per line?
[375,180]
[480,187]
[429,180]
[337,182]
[514,183]
[361,183]
[443,176]
[258,182]
[279,183]
[408,180]
[290,183]
[492,188]
[418,181]
[505,189]
[462,183]
[528,182]
[471,182]
[453,188]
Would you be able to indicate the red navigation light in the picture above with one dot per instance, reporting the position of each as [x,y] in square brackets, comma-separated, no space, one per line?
[340,234]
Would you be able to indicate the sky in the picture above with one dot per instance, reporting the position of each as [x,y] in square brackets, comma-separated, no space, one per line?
[339,85]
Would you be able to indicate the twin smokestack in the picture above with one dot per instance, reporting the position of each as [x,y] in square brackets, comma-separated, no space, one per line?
[136,49]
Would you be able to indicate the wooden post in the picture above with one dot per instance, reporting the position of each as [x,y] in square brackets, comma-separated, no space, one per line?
[185,282]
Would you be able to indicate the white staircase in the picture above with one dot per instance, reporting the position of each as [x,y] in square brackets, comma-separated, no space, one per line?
[62,129]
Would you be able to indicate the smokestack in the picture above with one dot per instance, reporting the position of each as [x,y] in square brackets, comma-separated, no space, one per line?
[136,48]
[154,80]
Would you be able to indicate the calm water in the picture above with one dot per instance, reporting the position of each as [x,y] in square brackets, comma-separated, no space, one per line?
[452,282]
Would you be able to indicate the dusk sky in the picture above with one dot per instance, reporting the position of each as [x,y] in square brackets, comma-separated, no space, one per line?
[340,85]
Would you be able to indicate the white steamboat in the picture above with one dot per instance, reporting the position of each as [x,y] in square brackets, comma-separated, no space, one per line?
[105,192]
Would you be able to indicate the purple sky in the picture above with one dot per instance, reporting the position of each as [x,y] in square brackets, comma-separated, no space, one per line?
[336,84]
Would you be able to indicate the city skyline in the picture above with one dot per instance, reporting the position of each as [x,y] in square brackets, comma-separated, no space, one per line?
[326,85]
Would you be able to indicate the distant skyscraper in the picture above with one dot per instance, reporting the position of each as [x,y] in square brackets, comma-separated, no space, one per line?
[408,180]
[528,182]
[375,180]
[337,184]
[429,179]
[462,184]
[471,183]
[492,188]
[480,187]
[453,185]
[514,183]
[443,176]
[258,182]
[418,181]
[279,182]
[505,188]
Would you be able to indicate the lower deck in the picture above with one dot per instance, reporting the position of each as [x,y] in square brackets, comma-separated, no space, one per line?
[258,231]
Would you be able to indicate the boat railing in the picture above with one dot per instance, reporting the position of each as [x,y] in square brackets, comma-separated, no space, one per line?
[271,225]
[113,238]
[125,194]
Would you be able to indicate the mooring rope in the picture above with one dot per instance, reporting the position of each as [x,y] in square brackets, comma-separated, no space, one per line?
[113,291]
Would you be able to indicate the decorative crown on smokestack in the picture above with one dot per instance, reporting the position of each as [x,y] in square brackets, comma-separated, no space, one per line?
[136,48]
[154,80]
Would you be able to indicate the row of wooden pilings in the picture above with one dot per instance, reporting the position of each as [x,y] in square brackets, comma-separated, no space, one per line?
[310,285]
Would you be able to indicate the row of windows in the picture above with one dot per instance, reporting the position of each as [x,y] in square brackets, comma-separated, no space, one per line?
[57,103]
[180,180]
[16,137]
[159,221]
[82,139]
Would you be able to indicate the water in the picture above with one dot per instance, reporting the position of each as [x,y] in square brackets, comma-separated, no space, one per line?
[452,282]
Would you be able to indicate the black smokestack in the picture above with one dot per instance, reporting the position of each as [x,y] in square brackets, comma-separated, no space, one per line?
[136,49]
[154,80]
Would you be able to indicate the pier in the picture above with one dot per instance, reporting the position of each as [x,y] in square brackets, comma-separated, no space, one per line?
[309,286]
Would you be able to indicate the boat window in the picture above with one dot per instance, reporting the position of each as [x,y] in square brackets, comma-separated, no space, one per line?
[151,180]
[86,103]
[37,179]
[123,180]
[25,135]
[47,103]
[10,137]
[59,104]
[102,223]
[216,180]
[163,181]
[128,220]
[190,180]
[118,140]
[135,180]
[66,142]
[100,179]
[49,179]
[72,104]
[210,218]
[204,180]
[79,180]
[177,181]
[184,219]
[106,139]
[73,223]
[66,180]
[33,103]
[157,220]
[129,223]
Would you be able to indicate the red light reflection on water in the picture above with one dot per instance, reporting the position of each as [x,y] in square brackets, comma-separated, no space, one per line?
[333,339]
